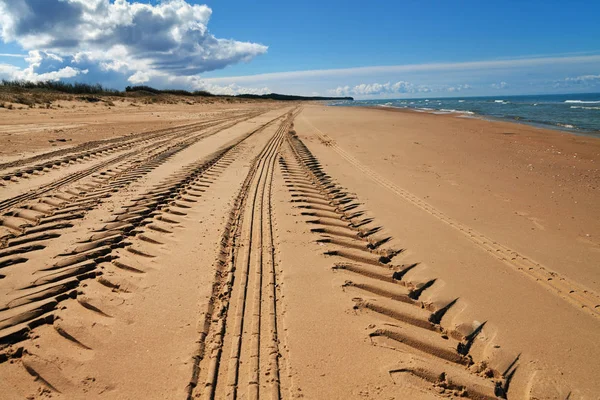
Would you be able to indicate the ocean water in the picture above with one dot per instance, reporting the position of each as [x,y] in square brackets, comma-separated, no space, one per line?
[576,113]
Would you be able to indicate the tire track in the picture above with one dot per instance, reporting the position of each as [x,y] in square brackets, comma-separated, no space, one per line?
[574,293]
[241,322]
[77,156]
[443,357]
[151,141]
[36,303]
[92,148]
[56,210]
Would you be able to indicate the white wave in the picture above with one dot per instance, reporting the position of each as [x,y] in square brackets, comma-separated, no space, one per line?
[461,101]
[582,102]
[586,108]
[446,110]
[566,125]
[501,101]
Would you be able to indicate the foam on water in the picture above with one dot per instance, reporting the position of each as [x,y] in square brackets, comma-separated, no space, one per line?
[566,125]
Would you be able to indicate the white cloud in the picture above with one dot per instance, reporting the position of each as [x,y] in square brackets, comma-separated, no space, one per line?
[66,72]
[195,83]
[36,59]
[584,79]
[369,89]
[580,82]
[400,87]
[139,77]
[500,85]
[457,88]
[169,38]
[13,55]
[231,89]
[234,89]
[7,71]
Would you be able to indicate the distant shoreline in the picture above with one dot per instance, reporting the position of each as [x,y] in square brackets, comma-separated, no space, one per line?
[590,134]
[578,114]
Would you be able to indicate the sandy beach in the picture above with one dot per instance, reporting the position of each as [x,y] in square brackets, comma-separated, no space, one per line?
[285,250]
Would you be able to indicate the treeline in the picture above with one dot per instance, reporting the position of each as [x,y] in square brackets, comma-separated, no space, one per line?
[284,97]
[59,86]
[98,89]
[177,92]
[85,88]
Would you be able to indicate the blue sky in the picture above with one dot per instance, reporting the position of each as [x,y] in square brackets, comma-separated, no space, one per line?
[380,49]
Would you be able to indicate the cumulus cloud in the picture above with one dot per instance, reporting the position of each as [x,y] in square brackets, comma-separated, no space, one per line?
[231,89]
[501,85]
[143,41]
[400,87]
[369,89]
[139,77]
[197,83]
[42,67]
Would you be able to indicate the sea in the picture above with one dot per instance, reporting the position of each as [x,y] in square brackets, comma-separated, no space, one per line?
[575,113]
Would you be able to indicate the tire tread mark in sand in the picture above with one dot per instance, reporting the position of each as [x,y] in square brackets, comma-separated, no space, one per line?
[69,271]
[395,294]
[86,268]
[574,293]
[244,252]
[166,138]
[90,149]
[62,207]
[84,265]
[74,157]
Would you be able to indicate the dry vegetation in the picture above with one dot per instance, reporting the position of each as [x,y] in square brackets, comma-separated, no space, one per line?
[22,94]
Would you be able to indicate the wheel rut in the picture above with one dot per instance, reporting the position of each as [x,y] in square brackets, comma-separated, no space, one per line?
[21,168]
[138,150]
[393,293]
[238,354]
[129,231]
[43,214]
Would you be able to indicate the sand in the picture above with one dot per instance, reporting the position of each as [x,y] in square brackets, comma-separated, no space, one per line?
[283,250]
